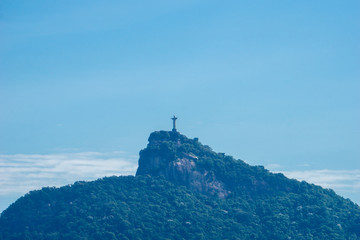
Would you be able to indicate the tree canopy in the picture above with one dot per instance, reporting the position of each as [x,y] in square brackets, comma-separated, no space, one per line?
[261,205]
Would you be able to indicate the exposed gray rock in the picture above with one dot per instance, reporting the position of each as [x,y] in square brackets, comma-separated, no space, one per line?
[164,157]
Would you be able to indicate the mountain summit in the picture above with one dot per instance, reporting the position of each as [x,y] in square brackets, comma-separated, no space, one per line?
[187,162]
[182,161]
[184,190]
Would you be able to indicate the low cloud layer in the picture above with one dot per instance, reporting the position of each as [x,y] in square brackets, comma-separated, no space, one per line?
[20,173]
[344,182]
[336,179]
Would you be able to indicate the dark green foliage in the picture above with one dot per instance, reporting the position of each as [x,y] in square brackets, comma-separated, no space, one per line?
[153,208]
[261,205]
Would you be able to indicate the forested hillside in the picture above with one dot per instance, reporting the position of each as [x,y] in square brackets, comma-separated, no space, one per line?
[184,190]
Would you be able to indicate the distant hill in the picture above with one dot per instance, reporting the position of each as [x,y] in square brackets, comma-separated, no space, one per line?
[184,190]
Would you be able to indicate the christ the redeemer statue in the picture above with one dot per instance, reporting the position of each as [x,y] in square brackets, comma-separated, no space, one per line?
[174,123]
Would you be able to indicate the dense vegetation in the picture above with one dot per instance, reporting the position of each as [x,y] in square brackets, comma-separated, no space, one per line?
[261,205]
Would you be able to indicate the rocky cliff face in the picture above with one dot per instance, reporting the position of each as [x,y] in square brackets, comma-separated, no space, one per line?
[175,157]
[260,206]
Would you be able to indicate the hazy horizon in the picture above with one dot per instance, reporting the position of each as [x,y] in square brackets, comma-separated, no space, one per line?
[83,84]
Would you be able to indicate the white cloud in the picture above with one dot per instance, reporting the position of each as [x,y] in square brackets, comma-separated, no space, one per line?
[20,173]
[274,166]
[343,182]
[348,180]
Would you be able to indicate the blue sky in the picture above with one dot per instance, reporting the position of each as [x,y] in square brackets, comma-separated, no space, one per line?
[272,83]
